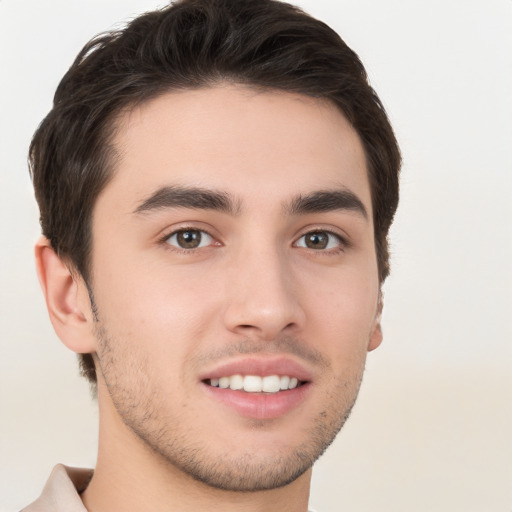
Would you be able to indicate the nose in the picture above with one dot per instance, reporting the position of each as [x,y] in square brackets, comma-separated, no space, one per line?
[264,299]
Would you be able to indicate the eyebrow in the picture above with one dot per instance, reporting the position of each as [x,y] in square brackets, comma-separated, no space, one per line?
[188,197]
[205,199]
[325,201]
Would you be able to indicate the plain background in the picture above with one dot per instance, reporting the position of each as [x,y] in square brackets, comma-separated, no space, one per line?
[432,430]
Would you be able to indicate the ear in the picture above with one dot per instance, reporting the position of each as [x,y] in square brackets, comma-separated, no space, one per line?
[376,334]
[67,300]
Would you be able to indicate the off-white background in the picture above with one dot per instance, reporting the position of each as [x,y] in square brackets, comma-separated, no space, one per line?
[432,430]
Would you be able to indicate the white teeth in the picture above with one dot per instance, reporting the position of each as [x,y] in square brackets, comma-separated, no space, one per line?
[224,382]
[255,383]
[271,384]
[236,382]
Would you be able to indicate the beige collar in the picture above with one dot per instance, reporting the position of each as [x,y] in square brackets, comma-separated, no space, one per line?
[61,491]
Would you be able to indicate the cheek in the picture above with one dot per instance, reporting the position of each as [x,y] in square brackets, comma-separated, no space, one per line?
[345,312]
[344,293]
[163,310]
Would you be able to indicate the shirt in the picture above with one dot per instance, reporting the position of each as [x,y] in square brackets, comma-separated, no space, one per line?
[60,494]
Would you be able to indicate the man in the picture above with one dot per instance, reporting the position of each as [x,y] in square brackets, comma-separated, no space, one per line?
[216,183]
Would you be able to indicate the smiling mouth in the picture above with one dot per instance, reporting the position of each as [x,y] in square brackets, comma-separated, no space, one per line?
[256,383]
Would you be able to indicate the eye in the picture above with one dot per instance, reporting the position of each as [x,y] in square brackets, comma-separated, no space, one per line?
[190,239]
[320,240]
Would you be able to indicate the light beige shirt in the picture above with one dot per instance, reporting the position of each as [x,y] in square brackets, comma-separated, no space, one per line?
[61,492]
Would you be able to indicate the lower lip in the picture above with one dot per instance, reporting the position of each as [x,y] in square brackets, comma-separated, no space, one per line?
[261,406]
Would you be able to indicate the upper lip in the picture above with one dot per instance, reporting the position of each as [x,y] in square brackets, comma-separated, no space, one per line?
[259,365]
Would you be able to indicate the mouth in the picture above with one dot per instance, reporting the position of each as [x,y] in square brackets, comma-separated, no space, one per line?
[256,383]
[259,387]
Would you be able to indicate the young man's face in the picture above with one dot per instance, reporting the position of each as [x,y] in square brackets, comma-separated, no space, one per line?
[234,244]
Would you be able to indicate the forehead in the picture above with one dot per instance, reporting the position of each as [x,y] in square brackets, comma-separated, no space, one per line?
[259,145]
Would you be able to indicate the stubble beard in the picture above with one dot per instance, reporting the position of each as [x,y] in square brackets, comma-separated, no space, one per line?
[130,391]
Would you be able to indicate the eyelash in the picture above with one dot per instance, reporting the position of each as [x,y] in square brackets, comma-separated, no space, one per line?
[165,239]
[341,246]
[342,243]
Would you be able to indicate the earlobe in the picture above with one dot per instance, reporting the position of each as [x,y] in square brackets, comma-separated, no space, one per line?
[66,299]
[376,334]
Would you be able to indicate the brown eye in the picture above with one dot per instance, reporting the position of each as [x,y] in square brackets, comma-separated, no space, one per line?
[316,240]
[189,239]
[319,240]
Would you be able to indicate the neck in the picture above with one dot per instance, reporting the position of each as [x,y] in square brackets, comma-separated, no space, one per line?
[129,475]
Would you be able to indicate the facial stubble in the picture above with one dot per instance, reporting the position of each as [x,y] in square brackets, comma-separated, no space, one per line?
[139,405]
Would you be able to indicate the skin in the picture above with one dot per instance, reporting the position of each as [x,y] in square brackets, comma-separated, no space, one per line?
[165,316]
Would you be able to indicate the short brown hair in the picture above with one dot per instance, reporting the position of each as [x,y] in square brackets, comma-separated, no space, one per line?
[192,44]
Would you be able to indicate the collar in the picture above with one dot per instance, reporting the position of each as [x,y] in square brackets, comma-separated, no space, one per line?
[62,489]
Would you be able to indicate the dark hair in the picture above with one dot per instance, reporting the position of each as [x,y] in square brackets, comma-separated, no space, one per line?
[192,44]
